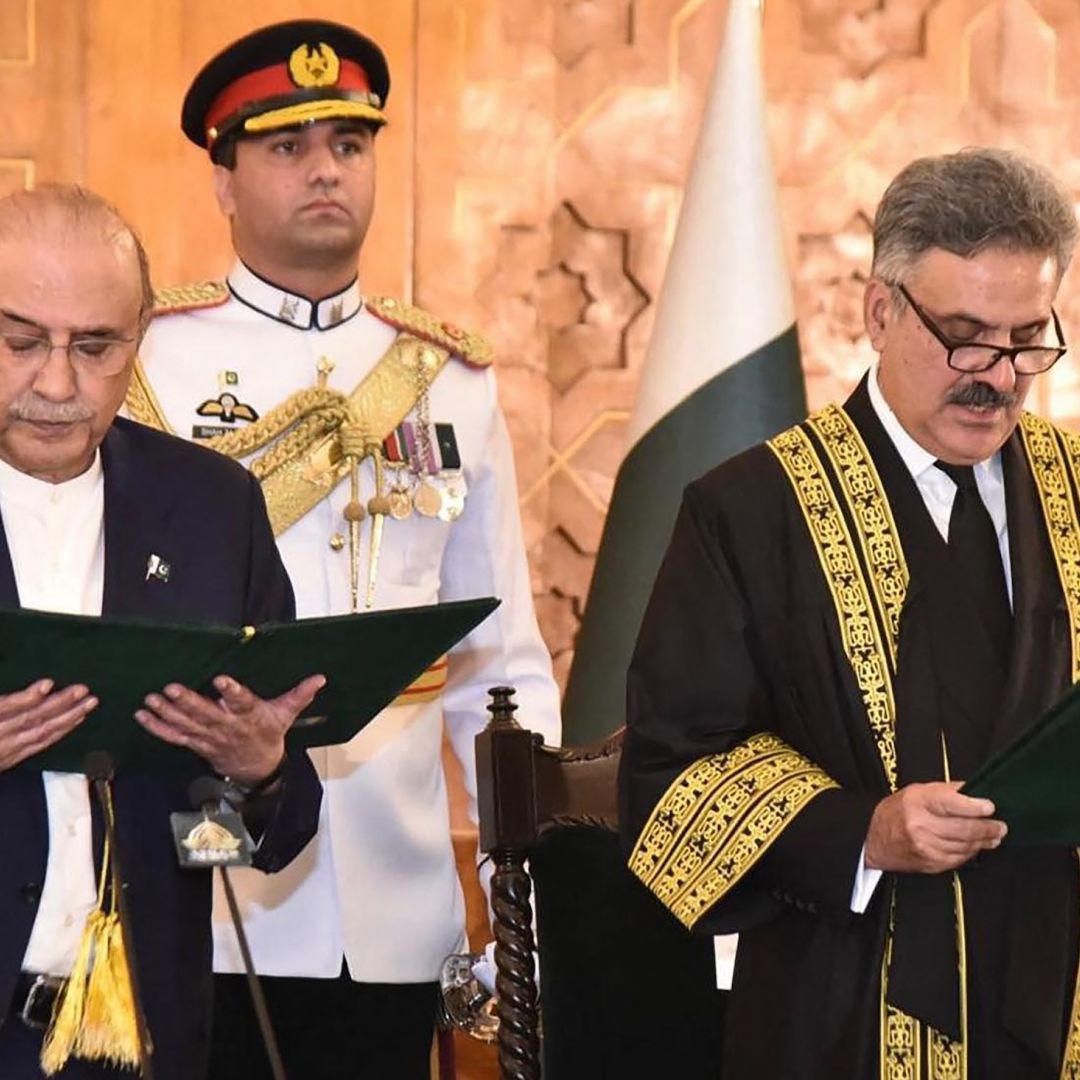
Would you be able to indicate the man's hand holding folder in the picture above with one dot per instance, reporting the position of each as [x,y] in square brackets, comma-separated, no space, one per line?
[240,734]
[31,720]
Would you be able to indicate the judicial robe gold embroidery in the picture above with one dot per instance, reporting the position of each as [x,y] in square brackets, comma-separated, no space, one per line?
[691,832]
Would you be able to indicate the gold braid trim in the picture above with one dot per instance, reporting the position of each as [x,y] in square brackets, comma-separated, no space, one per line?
[296,423]
[862,607]
[1043,444]
[142,403]
[315,429]
[869,655]
[307,464]
[472,348]
[201,294]
[299,420]
[903,1053]
[717,820]
[900,1044]
[1070,1060]
[1054,457]
[877,533]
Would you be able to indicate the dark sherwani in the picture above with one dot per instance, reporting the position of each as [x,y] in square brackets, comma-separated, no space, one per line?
[206,517]
[740,637]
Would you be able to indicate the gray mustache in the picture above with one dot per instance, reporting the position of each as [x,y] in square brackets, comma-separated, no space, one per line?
[39,411]
[981,394]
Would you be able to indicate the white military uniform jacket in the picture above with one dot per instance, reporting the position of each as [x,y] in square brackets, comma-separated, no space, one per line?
[378,885]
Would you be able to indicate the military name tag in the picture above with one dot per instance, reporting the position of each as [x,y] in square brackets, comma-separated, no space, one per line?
[208,431]
[210,839]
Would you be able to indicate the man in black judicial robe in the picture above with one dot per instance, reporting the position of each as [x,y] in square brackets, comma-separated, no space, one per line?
[741,636]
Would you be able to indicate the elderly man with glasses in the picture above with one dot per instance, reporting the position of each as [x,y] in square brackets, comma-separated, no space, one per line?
[88,502]
[850,620]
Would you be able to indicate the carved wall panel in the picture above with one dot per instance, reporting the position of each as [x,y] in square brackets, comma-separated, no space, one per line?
[882,84]
[570,125]
[41,65]
[553,141]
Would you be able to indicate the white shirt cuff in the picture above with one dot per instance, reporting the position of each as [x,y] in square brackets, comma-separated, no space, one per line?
[866,881]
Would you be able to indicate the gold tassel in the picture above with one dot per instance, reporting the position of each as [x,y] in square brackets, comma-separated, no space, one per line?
[108,1031]
[68,1012]
[94,1018]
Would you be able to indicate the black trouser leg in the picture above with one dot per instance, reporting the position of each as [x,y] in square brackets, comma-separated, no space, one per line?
[327,1029]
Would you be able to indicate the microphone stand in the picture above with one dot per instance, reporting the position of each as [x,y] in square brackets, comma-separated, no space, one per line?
[206,794]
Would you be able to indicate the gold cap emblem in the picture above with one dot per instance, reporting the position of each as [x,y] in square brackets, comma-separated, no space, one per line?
[314,65]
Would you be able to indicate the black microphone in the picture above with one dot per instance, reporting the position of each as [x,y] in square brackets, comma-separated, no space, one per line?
[98,766]
[205,793]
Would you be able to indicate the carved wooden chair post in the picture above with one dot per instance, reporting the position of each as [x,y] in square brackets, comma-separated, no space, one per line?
[508,829]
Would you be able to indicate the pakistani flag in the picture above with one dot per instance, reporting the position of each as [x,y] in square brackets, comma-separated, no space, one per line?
[721,373]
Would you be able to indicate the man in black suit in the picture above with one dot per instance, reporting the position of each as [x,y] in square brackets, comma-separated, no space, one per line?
[92,506]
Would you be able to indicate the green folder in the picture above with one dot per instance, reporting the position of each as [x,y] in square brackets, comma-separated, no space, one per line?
[368,659]
[1034,782]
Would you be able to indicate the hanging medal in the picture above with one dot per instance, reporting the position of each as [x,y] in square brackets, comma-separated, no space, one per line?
[400,494]
[453,503]
[426,497]
[401,504]
[444,442]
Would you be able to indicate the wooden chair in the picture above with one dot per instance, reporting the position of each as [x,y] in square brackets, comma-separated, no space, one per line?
[625,990]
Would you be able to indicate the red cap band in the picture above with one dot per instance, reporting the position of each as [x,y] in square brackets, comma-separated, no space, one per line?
[275,81]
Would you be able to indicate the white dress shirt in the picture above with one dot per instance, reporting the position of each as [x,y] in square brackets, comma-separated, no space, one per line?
[55,536]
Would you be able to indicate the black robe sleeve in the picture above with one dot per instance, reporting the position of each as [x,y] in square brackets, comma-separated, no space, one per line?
[711,670]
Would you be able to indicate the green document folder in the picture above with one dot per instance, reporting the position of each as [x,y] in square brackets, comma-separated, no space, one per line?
[1034,782]
[368,659]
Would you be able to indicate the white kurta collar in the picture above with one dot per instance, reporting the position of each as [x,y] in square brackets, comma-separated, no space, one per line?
[20,487]
[290,308]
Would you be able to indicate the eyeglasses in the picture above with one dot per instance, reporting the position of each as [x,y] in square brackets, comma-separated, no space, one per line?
[91,354]
[969,357]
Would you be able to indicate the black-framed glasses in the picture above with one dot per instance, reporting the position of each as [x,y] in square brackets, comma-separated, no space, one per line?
[91,354]
[973,356]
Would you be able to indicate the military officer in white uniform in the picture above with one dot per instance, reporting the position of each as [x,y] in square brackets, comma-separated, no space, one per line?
[376,432]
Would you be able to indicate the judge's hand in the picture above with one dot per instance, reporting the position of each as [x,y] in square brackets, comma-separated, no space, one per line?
[930,828]
[240,735]
[35,718]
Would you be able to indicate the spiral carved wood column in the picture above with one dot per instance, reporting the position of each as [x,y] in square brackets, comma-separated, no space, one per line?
[506,794]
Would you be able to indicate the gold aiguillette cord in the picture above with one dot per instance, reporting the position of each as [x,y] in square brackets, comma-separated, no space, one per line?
[354,449]
[378,508]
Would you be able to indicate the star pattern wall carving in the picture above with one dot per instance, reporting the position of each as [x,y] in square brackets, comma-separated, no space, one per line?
[572,131]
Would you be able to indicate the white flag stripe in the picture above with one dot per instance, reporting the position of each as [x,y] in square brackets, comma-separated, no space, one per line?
[726,292]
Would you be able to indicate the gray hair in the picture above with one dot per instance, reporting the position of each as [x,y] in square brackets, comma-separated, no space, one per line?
[78,207]
[967,202]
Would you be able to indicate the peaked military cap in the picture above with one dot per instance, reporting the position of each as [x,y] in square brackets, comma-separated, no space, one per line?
[283,75]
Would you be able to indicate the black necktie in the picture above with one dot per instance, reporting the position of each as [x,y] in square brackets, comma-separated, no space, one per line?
[974,541]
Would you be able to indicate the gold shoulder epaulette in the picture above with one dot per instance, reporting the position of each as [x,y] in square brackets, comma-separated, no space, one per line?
[201,294]
[472,348]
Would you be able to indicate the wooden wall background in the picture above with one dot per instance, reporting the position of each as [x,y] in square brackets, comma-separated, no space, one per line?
[531,177]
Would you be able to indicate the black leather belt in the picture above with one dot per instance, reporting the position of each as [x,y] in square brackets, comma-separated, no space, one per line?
[34,998]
